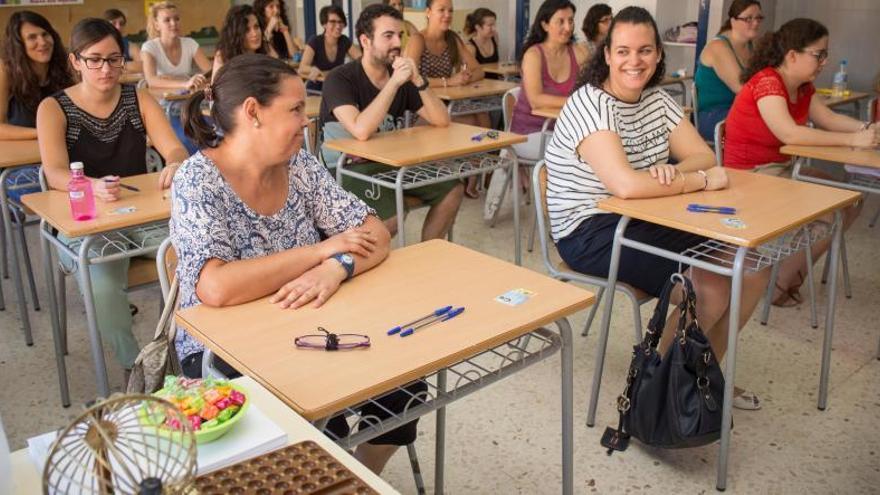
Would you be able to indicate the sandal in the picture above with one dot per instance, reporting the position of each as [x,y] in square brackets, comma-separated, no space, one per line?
[791,296]
[745,400]
[470,188]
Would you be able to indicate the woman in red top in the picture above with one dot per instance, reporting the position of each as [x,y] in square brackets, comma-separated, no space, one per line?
[772,110]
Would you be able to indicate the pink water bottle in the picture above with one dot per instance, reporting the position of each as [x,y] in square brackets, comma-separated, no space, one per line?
[79,189]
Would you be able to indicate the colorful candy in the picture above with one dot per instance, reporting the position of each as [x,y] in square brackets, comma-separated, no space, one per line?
[206,403]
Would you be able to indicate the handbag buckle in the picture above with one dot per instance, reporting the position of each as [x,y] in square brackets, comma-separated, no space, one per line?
[623,404]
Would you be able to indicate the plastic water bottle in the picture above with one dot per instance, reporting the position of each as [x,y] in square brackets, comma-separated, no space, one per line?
[79,190]
[838,86]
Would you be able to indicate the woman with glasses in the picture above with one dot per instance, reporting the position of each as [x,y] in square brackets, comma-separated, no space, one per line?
[170,60]
[595,27]
[328,50]
[241,34]
[105,125]
[722,63]
[772,110]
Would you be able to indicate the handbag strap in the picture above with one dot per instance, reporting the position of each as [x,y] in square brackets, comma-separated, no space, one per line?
[167,311]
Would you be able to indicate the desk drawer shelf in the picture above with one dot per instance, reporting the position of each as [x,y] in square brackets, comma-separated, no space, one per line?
[126,243]
[475,105]
[438,171]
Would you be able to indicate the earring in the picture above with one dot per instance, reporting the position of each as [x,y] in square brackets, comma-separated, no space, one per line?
[256,124]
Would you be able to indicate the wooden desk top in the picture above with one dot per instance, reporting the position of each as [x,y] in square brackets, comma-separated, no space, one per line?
[479,89]
[257,337]
[150,206]
[131,77]
[169,94]
[18,153]
[423,144]
[841,154]
[853,96]
[769,206]
[27,480]
[501,68]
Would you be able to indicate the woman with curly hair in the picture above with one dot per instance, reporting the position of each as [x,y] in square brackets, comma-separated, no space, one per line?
[241,33]
[272,15]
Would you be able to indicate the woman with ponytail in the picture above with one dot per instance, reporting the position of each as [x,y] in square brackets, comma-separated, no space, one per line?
[773,109]
[722,63]
[483,42]
[105,125]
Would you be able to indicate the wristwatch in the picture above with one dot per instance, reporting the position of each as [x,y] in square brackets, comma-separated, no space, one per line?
[347,262]
[424,84]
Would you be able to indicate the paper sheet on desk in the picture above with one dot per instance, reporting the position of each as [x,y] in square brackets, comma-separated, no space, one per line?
[255,434]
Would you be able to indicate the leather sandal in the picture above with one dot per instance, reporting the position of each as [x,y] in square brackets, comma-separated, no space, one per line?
[746,401]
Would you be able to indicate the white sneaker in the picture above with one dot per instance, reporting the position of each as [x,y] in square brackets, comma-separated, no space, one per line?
[494,194]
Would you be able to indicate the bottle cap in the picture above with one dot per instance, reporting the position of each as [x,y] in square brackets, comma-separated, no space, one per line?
[76,166]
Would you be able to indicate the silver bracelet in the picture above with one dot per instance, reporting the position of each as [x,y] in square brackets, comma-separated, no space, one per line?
[705,178]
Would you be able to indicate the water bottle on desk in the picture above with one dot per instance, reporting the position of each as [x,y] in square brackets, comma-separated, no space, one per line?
[838,86]
[79,190]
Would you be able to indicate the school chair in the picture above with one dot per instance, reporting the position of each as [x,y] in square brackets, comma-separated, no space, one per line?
[19,220]
[696,109]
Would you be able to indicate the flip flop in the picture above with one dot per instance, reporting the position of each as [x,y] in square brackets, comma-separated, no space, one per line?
[787,298]
[746,401]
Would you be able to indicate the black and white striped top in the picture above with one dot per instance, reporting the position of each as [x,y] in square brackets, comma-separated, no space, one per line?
[573,189]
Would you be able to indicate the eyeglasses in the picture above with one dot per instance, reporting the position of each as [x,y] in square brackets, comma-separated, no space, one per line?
[821,55]
[332,341]
[605,19]
[96,63]
[336,22]
[750,19]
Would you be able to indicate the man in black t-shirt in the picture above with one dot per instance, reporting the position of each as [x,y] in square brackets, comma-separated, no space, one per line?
[373,94]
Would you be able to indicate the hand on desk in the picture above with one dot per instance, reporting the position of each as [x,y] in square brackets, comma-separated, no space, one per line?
[358,241]
[460,78]
[317,285]
[716,178]
[167,175]
[196,82]
[868,138]
[106,188]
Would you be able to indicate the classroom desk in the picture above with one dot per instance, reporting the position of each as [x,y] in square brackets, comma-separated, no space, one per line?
[774,211]
[27,480]
[507,70]
[16,154]
[477,97]
[131,77]
[109,237]
[477,348]
[855,98]
[425,155]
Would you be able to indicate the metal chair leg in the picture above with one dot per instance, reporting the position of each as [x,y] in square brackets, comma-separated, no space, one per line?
[847,288]
[26,259]
[593,310]
[814,319]
[532,234]
[4,264]
[825,269]
[768,296]
[61,291]
[874,218]
[507,181]
[416,468]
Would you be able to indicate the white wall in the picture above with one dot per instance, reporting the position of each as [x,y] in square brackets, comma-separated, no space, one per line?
[853,27]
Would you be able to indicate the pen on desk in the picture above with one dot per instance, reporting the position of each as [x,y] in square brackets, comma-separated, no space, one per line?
[124,186]
[724,210]
[433,314]
[448,316]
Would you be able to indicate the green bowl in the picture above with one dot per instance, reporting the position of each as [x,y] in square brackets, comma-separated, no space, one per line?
[206,435]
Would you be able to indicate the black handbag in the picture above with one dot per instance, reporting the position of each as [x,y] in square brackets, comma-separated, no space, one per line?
[673,402]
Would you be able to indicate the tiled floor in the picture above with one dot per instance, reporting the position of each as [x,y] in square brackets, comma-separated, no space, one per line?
[506,439]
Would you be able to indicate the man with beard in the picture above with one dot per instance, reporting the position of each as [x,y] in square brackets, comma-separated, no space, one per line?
[372,95]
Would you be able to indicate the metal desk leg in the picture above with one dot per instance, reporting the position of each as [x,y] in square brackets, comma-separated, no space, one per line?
[567,406]
[440,447]
[517,241]
[401,208]
[834,254]
[736,283]
[606,319]
[53,316]
[102,382]
[15,268]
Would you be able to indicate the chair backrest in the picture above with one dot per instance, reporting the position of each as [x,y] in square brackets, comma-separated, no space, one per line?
[508,101]
[539,192]
[166,264]
[719,143]
[695,104]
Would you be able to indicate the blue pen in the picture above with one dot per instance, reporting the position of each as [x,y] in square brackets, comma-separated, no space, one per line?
[438,312]
[724,210]
[452,314]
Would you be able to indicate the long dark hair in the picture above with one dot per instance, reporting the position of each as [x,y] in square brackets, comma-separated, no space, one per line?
[770,51]
[590,27]
[247,75]
[595,73]
[235,28]
[452,40]
[24,83]
[260,9]
[91,30]
[737,8]
[537,34]
[475,19]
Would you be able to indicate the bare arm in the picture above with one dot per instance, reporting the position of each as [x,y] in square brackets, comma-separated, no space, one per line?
[688,147]
[532,85]
[51,125]
[162,136]
[470,61]
[774,111]
[228,283]
[830,120]
[305,65]
[202,61]
[720,57]
[7,130]
[218,62]
[433,109]
[415,44]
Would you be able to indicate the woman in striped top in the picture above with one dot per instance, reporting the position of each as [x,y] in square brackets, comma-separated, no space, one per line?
[614,137]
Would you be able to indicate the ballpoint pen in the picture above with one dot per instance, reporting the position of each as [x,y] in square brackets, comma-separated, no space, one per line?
[434,314]
[723,210]
[448,316]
